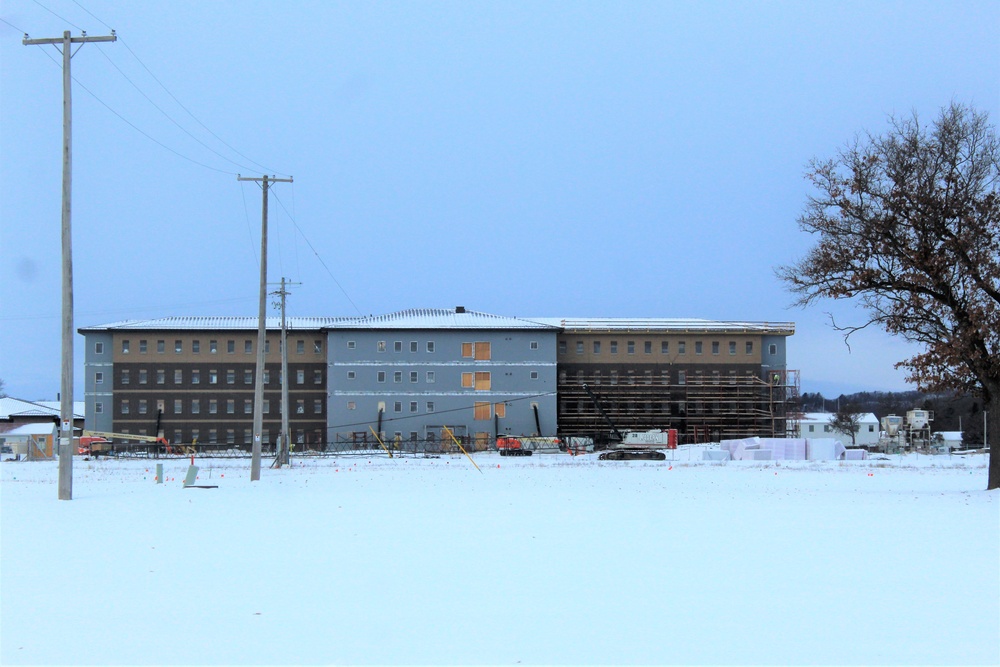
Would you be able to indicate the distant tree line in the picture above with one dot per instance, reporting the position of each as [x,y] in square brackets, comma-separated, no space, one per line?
[952,411]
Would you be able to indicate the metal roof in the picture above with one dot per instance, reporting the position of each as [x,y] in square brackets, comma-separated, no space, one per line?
[438,318]
[599,324]
[450,318]
[212,324]
[827,417]
[16,407]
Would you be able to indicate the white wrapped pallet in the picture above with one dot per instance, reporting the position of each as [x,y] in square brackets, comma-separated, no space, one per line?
[744,446]
[732,445]
[785,449]
[824,449]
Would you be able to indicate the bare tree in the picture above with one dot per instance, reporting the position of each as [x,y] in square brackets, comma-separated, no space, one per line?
[847,420]
[3,389]
[909,224]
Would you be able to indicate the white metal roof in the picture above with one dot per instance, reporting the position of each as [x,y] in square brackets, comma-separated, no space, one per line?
[16,407]
[449,318]
[30,429]
[598,324]
[827,417]
[438,318]
[212,324]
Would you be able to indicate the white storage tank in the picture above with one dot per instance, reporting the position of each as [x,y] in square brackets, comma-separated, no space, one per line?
[919,419]
[891,424]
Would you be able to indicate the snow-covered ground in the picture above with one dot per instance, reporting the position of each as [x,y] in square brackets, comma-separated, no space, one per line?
[547,559]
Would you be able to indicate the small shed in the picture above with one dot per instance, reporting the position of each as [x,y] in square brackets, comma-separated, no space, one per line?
[33,441]
[950,439]
[818,425]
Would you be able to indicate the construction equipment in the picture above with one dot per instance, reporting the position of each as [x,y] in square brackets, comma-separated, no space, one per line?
[509,445]
[101,442]
[622,447]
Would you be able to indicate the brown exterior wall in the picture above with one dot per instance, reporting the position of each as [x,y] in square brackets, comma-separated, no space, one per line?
[233,381]
[719,391]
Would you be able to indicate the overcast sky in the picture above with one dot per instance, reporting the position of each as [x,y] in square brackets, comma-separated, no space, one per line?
[575,159]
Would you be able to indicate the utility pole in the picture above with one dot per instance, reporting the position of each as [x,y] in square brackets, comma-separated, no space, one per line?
[258,398]
[284,437]
[66,385]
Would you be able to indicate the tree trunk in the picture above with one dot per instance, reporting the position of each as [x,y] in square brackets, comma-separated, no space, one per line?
[992,406]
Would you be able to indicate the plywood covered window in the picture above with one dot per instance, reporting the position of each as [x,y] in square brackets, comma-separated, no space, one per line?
[482,410]
[467,380]
[500,409]
[482,381]
[479,351]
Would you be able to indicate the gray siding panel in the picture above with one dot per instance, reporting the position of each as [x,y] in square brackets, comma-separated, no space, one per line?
[98,362]
[513,363]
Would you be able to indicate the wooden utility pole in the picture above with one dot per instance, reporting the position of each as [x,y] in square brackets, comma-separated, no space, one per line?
[66,385]
[258,398]
[284,437]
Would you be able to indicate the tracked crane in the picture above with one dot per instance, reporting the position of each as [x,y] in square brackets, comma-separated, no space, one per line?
[621,449]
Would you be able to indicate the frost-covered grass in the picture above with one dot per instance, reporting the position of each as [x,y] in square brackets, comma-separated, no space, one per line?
[547,559]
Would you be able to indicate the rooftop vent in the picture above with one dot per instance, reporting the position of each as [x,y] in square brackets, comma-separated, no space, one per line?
[459,309]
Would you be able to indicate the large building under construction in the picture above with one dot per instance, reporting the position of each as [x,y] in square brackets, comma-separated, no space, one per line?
[707,379]
[192,379]
[423,375]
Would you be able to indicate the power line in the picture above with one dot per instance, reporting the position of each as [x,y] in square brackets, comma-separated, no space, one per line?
[167,116]
[387,420]
[94,17]
[180,104]
[246,213]
[196,119]
[12,25]
[311,247]
[298,269]
[57,16]
[134,127]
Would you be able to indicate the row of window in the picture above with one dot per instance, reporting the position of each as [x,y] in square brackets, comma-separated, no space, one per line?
[477,350]
[482,410]
[212,376]
[397,346]
[827,428]
[213,346]
[663,377]
[212,405]
[647,347]
[625,409]
[469,380]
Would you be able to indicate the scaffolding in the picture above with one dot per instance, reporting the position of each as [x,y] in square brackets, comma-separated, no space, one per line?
[700,410]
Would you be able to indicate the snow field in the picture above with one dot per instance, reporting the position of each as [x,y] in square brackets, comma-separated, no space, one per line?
[549,559]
